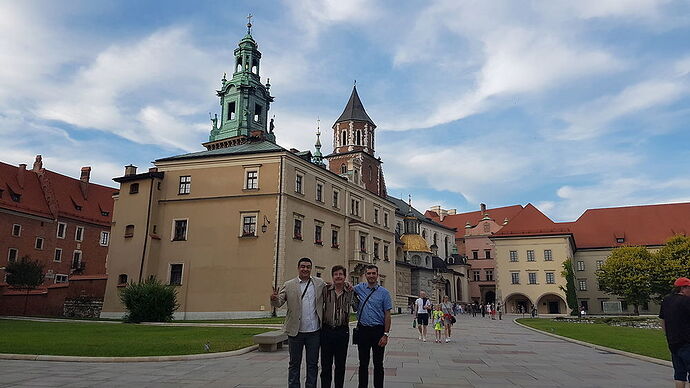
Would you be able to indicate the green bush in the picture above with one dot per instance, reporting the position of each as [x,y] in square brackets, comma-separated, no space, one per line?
[149,301]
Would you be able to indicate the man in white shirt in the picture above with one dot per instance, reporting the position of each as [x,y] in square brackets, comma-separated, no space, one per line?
[422,308]
[304,297]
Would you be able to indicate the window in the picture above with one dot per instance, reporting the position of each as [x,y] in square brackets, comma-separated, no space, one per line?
[487,253]
[580,265]
[39,243]
[231,110]
[319,192]
[343,167]
[298,184]
[61,230]
[424,234]
[334,238]
[335,198]
[376,216]
[16,230]
[252,180]
[489,273]
[258,110]
[79,234]
[376,250]
[175,274]
[620,240]
[297,232]
[532,278]
[385,219]
[476,276]
[515,278]
[105,239]
[76,260]
[584,305]
[179,230]
[475,255]
[530,255]
[58,255]
[317,235]
[122,278]
[134,188]
[385,252]
[248,225]
[12,255]
[363,243]
[129,231]
[600,263]
[582,285]
[550,278]
[354,207]
[15,197]
[513,256]
[547,255]
[185,186]
[398,228]
[60,278]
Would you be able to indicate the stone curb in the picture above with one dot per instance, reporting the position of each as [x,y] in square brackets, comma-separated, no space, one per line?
[599,347]
[170,324]
[188,357]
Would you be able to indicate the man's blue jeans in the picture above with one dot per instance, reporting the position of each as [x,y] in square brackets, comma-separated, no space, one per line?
[681,363]
[310,341]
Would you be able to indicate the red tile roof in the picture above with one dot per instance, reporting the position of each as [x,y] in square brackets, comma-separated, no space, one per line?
[97,207]
[637,225]
[459,221]
[532,222]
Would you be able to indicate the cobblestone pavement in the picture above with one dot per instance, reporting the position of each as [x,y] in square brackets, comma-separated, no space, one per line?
[483,353]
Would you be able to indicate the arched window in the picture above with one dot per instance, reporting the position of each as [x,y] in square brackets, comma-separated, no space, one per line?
[343,138]
[358,139]
[238,65]
[255,67]
[343,168]
[424,234]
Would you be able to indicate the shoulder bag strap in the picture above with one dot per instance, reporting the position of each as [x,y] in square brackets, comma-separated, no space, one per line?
[305,289]
[361,308]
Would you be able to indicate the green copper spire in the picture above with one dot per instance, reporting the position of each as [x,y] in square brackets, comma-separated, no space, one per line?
[317,158]
[244,100]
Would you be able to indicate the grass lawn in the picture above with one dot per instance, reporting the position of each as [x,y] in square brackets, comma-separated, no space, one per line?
[648,342]
[270,320]
[108,340]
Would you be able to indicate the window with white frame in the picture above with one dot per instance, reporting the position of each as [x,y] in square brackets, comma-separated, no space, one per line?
[385,253]
[61,278]
[600,263]
[105,239]
[61,230]
[39,243]
[12,254]
[376,250]
[513,256]
[515,278]
[582,285]
[249,225]
[580,265]
[376,216]
[362,242]
[299,180]
[79,234]
[176,274]
[76,260]
[16,230]
[354,206]
[476,276]
[185,186]
[179,232]
[318,230]
[532,277]
[58,255]
[319,192]
[385,219]
[334,238]
[550,278]
[547,255]
[297,229]
[530,255]
[489,273]
[251,180]
[336,199]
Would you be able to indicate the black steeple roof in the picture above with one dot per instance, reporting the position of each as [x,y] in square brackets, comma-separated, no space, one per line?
[355,110]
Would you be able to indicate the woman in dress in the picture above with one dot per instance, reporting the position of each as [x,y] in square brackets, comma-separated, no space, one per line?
[448,315]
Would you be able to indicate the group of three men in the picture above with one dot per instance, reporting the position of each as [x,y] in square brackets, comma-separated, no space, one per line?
[318,316]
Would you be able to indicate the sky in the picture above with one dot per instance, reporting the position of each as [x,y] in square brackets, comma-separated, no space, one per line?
[565,105]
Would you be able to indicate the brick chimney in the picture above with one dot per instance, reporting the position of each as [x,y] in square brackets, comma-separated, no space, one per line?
[84,178]
[38,164]
[21,173]
[130,170]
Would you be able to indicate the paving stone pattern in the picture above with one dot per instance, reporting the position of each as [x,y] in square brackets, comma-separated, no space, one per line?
[483,353]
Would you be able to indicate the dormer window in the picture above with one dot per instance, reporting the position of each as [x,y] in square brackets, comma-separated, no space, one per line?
[15,197]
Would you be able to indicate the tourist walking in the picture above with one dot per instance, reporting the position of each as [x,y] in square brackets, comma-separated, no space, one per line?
[448,316]
[335,332]
[304,298]
[474,309]
[492,309]
[675,320]
[499,309]
[423,308]
[483,308]
[374,306]
[437,322]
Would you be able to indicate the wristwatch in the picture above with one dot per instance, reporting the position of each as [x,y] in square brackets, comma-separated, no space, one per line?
[386,334]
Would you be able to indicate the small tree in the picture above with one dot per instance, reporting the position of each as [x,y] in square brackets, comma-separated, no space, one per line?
[670,263]
[628,272]
[149,301]
[569,289]
[25,274]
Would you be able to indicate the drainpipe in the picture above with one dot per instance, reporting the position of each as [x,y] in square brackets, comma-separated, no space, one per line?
[146,234]
[278,221]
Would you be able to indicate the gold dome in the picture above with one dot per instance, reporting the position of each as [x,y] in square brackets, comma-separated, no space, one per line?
[414,243]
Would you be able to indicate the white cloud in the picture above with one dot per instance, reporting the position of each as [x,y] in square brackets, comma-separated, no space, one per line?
[313,16]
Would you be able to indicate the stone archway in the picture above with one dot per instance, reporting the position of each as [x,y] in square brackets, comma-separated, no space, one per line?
[551,303]
[490,297]
[518,303]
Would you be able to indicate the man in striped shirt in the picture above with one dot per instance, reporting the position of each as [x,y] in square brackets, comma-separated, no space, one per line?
[335,332]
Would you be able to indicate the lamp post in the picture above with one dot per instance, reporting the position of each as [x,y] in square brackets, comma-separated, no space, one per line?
[264,227]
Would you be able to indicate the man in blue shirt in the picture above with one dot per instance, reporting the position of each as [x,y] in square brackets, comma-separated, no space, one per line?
[373,306]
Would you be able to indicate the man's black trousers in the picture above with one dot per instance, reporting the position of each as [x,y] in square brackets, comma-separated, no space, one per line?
[369,337]
[334,342]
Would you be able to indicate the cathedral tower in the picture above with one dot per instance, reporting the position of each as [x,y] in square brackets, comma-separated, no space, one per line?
[244,101]
[353,148]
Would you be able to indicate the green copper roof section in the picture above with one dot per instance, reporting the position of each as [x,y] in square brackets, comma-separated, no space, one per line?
[247,148]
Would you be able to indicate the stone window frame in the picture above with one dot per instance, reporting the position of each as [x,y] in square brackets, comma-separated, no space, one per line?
[580,265]
[515,277]
[57,257]
[61,278]
[104,240]
[16,230]
[532,278]
[550,277]
[184,186]
[12,258]
[79,233]
[548,255]
[513,256]
[37,245]
[530,255]
[173,229]
[245,214]
[170,273]
[64,230]
[582,284]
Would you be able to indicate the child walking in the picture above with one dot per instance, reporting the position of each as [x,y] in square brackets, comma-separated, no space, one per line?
[437,316]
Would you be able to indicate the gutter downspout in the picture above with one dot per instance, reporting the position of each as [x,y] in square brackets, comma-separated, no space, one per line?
[278,222]
[146,233]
